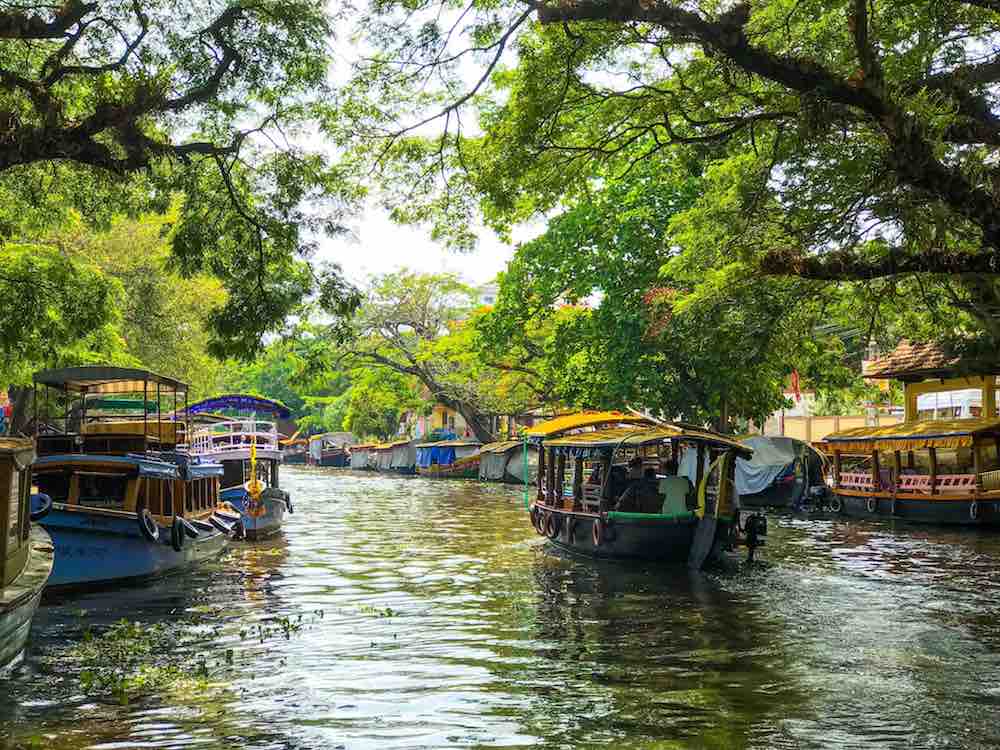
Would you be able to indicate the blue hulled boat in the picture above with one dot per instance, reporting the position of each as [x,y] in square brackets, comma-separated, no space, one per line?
[250,453]
[25,550]
[121,497]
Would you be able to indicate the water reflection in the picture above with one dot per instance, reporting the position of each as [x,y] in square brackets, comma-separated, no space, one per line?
[432,615]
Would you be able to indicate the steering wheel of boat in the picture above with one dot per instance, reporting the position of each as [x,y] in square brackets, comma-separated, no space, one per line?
[43,509]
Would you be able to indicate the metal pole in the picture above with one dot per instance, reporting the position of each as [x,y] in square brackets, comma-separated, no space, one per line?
[159,420]
[145,413]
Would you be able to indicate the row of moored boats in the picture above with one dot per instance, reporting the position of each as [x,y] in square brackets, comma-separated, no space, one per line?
[116,488]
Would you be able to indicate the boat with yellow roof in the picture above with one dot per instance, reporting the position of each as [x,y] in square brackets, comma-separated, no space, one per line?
[932,471]
[620,486]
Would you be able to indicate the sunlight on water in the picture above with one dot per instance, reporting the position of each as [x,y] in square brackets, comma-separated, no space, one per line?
[428,614]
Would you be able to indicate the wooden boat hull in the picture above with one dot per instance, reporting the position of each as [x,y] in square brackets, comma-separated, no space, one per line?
[449,472]
[339,461]
[19,600]
[624,536]
[293,458]
[258,527]
[95,550]
[946,511]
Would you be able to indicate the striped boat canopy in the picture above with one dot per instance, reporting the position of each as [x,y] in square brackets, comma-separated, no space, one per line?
[908,436]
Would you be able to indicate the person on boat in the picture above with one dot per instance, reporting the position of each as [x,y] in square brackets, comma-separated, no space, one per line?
[637,491]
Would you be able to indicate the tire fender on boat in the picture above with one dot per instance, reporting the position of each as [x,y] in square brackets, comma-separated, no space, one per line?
[571,530]
[835,505]
[871,505]
[147,524]
[221,525]
[177,534]
[190,529]
[597,532]
[43,509]
[974,510]
[552,525]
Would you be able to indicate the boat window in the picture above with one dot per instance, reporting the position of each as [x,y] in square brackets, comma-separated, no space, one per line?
[54,484]
[102,490]
[233,473]
[14,511]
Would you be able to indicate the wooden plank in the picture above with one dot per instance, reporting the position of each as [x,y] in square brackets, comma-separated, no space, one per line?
[932,455]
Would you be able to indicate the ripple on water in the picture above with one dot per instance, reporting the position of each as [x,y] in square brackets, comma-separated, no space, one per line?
[432,616]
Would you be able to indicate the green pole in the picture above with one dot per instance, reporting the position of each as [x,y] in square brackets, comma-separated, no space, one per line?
[525,471]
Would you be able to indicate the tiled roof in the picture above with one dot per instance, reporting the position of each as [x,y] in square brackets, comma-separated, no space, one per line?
[911,358]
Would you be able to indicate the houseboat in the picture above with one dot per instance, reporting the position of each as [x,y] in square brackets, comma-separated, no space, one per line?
[26,553]
[782,473]
[660,492]
[294,450]
[937,466]
[359,455]
[330,449]
[404,457]
[508,461]
[122,499]
[248,449]
[453,459]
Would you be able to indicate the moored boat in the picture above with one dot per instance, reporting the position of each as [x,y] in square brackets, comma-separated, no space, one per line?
[782,473]
[248,449]
[330,449]
[122,500]
[404,457]
[928,471]
[359,455]
[508,461]
[453,459]
[629,497]
[294,450]
[26,553]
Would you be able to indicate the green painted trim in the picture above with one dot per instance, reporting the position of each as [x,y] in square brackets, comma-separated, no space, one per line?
[616,515]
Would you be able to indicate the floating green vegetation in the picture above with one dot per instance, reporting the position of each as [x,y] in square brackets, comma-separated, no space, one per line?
[130,661]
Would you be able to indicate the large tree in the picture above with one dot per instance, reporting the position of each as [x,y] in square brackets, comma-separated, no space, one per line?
[846,141]
[419,326]
[118,106]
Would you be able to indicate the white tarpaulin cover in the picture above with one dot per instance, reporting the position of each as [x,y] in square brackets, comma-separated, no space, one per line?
[770,457]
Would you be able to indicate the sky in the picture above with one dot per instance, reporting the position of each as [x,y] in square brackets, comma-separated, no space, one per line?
[381,246]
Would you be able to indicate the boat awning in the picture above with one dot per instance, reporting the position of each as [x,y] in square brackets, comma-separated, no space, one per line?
[101,379]
[501,447]
[908,436]
[559,425]
[599,441]
[241,402]
[144,467]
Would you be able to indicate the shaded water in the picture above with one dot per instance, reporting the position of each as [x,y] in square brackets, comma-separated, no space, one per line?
[434,617]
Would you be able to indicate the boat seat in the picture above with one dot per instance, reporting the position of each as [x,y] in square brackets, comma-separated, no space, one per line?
[675,493]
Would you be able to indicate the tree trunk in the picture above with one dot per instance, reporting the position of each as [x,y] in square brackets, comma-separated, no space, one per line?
[478,422]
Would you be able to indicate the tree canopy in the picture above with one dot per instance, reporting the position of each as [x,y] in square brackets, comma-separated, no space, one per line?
[117,107]
[852,141]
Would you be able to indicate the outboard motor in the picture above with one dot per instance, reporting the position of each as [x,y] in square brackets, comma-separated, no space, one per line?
[755,529]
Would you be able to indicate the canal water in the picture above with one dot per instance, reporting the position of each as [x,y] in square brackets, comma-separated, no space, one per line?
[404,612]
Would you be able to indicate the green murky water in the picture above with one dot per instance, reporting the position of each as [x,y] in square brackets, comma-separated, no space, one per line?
[433,616]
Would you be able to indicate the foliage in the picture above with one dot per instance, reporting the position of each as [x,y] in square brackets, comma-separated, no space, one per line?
[58,311]
[120,106]
[164,317]
[377,400]
[851,142]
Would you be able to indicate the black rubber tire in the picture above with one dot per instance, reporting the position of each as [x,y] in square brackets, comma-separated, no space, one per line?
[835,504]
[44,510]
[221,525]
[597,532]
[147,524]
[177,534]
[190,529]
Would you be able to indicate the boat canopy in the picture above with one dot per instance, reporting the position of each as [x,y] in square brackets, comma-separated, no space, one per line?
[102,379]
[501,447]
[559,425]
[445,452]
[241,402]
[587,444]
[908,436]
[773,457]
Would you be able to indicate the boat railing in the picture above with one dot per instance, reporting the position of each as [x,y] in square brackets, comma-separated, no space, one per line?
[236,434]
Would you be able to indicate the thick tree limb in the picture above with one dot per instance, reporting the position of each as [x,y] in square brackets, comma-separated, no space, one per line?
[845,265]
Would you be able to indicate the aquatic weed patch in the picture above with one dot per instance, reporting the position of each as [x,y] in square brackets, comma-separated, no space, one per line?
[130,661]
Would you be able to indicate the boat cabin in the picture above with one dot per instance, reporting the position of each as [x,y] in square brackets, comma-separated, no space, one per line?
[118,464]
[646,470]
[16,456]
[359,455]
[449,458]
[925,470]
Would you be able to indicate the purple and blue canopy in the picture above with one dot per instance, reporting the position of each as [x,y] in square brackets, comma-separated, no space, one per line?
[240,402]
